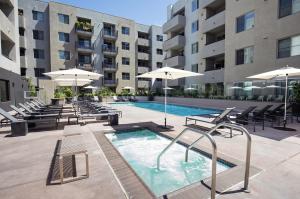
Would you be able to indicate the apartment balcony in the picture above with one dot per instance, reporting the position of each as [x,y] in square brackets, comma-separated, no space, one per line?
[213,76]
[174,43]
[7,26]
[110,83]
[143,84]
[174,24]
[175,62]
[109,67]
[84,47]
[109,35]
[84,29]
[211,3]
[214,23]
[143,56]
[143,42]
[143,69]
[86,66]
[178,6]
[110,51]
[21,21]
[213,49]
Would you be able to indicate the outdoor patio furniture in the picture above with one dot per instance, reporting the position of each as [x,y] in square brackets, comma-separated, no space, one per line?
[31,112]
[270,98]
[259,117]
[280,98]
[214,119]
[72,146]
[261,98]
[36,119]
[116,99]
[18,127]
[243,117]
[132,99]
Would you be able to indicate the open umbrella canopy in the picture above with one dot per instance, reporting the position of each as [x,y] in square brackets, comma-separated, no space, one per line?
[235,87]
[190,89]
[252,87]
[72,82]
[72,73]
[91,87]
[169,74]
[128,87]
[282,72]
[168,88]
[273,86]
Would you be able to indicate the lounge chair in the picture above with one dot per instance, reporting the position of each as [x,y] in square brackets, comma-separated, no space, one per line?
[37,118]
[32,112]
[132,99]
[270,98]
[213,119]
[261,98]
[243,117]
[259,117]
[280,98]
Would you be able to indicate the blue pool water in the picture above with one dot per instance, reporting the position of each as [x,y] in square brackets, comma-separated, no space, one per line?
[140,149]
[172,108]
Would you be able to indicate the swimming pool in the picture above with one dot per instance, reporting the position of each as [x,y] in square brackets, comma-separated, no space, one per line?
[140,149]
[171,108]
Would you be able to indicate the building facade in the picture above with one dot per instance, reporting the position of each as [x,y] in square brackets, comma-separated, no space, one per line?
[228,41]
[11,84]
[61,36]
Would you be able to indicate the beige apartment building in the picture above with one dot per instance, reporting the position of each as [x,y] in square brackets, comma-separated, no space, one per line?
[228,40]
[11,84]
[59,36]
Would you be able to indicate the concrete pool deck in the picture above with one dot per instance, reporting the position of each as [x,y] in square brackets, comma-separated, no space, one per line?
[25,161]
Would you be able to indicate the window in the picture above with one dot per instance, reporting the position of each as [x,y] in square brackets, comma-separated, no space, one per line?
[159,38]
[21,31]
[195,26]
[159,64]
[125,46]
[159,51]
[38,72]
[125,61]
[38,54]
[23,71]
[64,37]
[195,5]
[245,22]
[22,51]
[195,68]
[63,18]
[288,7]
[84,59]
[289,47]
[38,35]
[245,55]
[125,31]
[65,55]
[20,12]
[4,90]
[125,76]
[36,15]
[195,48]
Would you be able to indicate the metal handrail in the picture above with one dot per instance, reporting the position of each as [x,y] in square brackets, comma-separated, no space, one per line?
[248,152]
[214,156]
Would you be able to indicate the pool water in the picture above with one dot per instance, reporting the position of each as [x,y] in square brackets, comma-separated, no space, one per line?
[172,108]
[140,149]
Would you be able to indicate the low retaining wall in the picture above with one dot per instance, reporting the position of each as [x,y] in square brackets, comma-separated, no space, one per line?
[214,103]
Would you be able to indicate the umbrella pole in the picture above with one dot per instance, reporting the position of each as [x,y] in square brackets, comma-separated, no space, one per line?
[166,84]
[285,99]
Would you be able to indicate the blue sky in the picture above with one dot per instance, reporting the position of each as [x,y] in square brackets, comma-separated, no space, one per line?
[142,11]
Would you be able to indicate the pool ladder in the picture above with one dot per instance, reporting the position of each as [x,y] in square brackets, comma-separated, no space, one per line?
[214,152]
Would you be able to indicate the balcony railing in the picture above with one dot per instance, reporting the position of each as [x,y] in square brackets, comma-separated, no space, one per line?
[110,66]
[110,81]
[85,27]
[110,33]
[112,49]
[84,45]
[215,67]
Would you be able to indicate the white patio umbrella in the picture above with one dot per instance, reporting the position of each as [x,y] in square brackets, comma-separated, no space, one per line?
[282,72]
[235,87]
[72,82]
[91,87]
[128,87]
[190,89]
[73,73]
[168,73]
[273,86]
